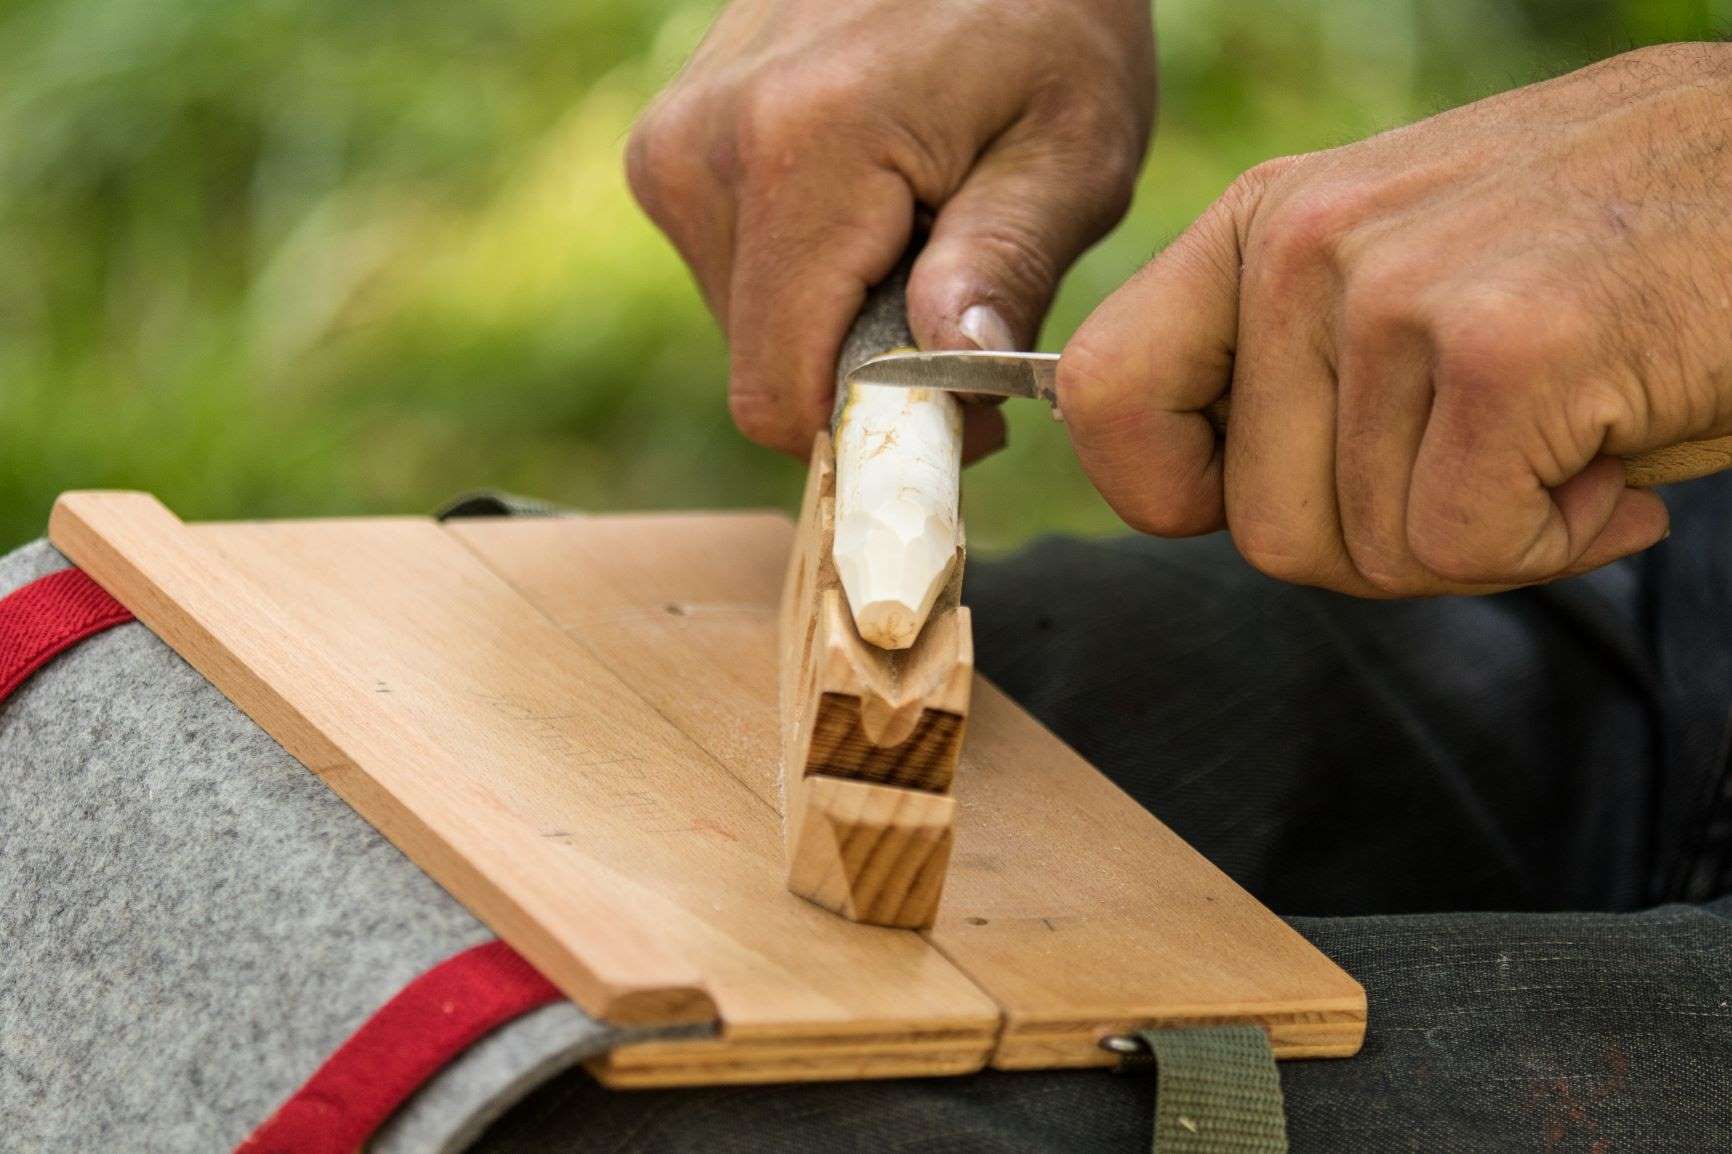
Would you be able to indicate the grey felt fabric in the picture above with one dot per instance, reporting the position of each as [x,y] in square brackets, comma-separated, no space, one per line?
[190,922]
[452,1110]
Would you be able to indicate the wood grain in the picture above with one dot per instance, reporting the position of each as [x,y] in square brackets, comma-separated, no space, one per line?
[630,866]
[1072,905]
[872,853]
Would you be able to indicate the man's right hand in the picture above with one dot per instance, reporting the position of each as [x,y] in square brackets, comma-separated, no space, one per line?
[787,162]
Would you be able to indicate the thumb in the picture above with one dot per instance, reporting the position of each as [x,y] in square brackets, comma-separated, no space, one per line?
[1134,380]
[1000,244]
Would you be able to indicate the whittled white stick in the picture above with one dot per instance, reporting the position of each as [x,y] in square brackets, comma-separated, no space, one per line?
[898,480]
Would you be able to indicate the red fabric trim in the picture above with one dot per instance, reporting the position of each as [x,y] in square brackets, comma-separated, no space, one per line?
[40,620]
[406,1041]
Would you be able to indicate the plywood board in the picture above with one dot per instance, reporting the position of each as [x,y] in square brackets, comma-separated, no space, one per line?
[1073,906]
[571,724]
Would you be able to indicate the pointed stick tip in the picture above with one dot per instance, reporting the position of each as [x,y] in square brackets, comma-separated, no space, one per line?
[888,624]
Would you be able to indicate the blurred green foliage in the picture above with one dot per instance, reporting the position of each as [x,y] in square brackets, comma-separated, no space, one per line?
[290,257]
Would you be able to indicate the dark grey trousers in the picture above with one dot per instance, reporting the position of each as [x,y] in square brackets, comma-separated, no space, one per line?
[1509,817]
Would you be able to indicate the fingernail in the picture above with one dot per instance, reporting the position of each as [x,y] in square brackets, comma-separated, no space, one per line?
[982,325]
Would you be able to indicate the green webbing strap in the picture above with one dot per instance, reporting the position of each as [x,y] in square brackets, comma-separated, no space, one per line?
[1218,1092]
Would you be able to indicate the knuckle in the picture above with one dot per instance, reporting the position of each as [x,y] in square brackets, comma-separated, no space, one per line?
[1160,518]
[1111,145]
[662,159]
[1244,197]
[1304,233]
[1254,181]
[770,116]
[1114,186]
[782,109]
[640,165]
[1026,270]
[1275,552]
[1487,341]
[1379,298]
[1386,572]
[1439,541]
[1446,535]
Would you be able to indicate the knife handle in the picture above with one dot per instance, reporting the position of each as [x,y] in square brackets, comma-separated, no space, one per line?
[1681,462]
[881,327]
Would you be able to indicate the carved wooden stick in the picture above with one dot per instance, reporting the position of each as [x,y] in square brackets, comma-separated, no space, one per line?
[898,480]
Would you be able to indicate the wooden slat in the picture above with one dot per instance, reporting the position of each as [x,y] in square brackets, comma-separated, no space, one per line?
[1066,901]
[635,870]
[1076,908]
[709,1063]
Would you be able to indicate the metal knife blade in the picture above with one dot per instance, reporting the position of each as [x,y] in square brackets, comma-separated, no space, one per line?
[989,374]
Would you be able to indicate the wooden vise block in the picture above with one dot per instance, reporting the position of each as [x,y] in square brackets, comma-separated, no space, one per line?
[870,736]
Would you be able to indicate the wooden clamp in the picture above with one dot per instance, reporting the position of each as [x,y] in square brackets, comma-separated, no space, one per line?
[871,736]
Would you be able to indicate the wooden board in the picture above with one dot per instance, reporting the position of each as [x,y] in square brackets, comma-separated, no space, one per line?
[571,724]
[1066,900]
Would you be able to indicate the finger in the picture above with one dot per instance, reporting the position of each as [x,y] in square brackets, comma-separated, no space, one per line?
[1000,243]
[984,429]
[1488,508]
[1279,482]
[674,172]
[809,244]
[1134,380]
[1638,518]
[1383,399]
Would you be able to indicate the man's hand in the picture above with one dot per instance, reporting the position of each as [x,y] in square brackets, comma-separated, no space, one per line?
[1436,339]
[787,161]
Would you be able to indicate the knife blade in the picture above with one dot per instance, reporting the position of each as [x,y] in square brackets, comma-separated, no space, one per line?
[990,374]
[985,373]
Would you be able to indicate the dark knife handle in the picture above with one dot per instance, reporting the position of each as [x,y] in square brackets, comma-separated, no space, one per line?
[881,327]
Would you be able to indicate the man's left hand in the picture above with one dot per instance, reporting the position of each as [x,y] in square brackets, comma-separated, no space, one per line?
[1438,340]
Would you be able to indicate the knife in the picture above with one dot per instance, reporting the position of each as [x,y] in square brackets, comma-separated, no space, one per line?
[983,373]
[988,374]
[995,374]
